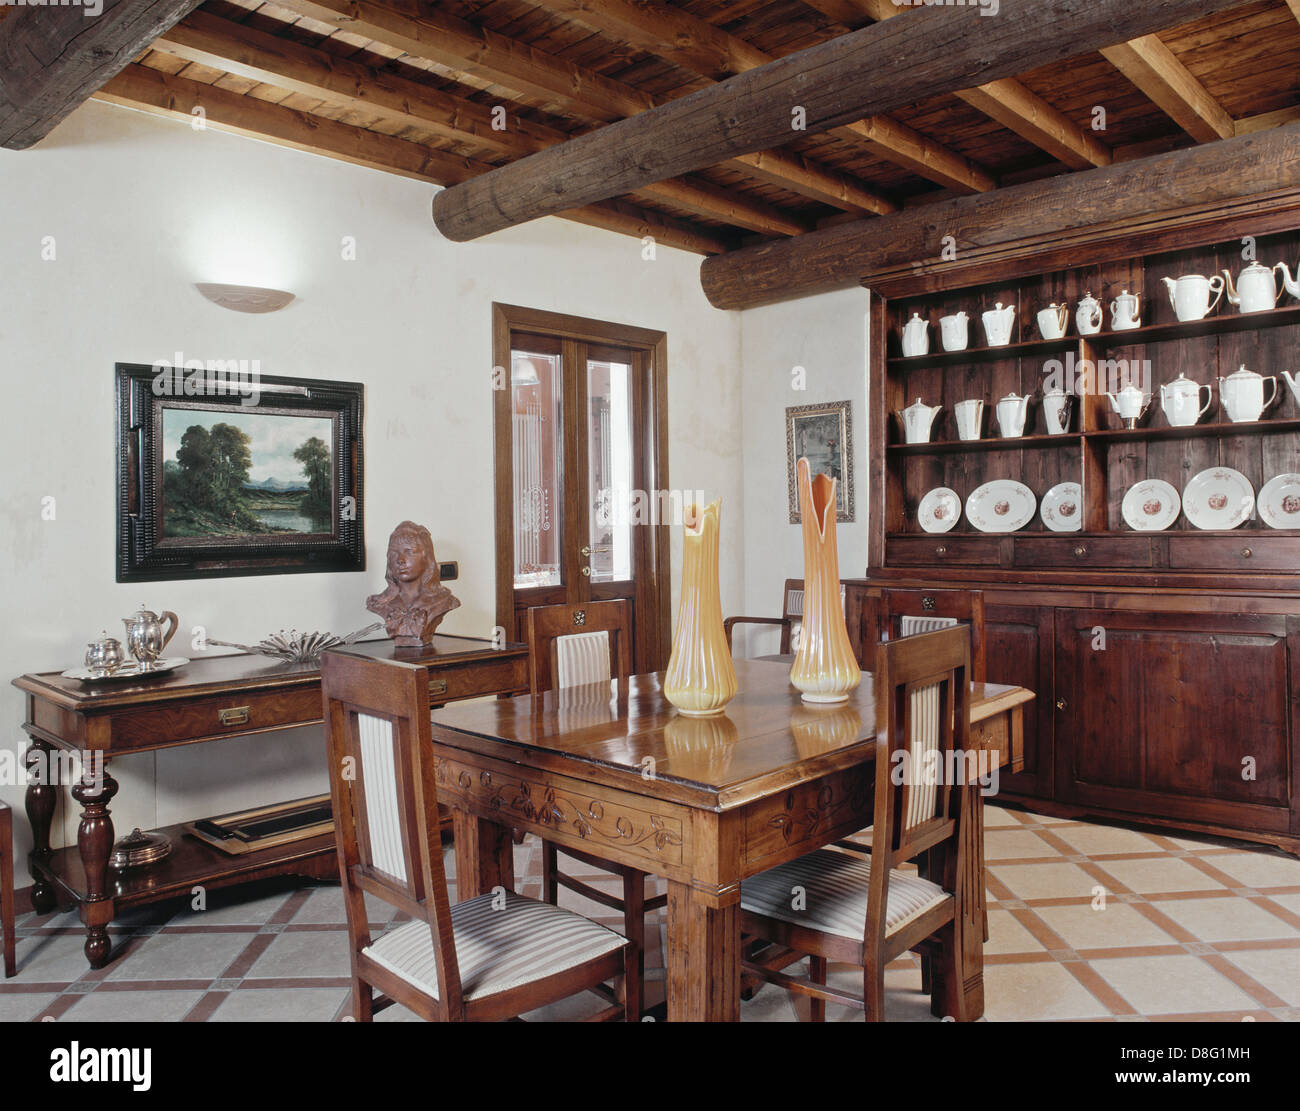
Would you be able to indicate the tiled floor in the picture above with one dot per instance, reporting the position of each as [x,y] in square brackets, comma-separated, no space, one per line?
[1087,921]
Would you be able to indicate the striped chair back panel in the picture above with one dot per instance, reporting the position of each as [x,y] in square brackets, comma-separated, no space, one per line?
[379,782]
[582,658]
[924,756]
[911,626]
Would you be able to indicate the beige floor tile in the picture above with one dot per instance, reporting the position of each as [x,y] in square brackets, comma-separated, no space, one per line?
[1044,881]
[325,906]
[1007,935]
[1096,839]
[1291,902]
[304,953]
[1015,844]
[198,956]
[227,908]
[1257,869]
[1172,985]
[1226,919]
[1149,877]
[281,1005]
[52,959]
[1035,992]
[23,1006]
[132,1006]
[1277,969]
[1119,925]
[999,817]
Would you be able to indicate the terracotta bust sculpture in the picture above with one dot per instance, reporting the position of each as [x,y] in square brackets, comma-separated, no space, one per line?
[416,601]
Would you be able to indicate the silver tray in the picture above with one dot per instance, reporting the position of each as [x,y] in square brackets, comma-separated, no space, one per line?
[127,671]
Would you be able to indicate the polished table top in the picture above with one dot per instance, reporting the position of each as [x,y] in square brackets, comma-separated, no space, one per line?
[628,734]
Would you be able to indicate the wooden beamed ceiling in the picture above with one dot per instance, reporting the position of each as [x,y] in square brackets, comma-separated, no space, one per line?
[422,88]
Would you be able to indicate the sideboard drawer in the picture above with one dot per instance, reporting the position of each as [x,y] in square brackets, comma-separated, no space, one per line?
[204,718]
[473,680]
[1083,551]
[913,550]
[1247,551]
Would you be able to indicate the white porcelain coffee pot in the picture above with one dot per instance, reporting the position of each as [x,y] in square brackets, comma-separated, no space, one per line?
[1290,284]
[997,324]
[1293,382]
[1190,295]
[954,331]
[917,420]
[1012,411]
[1131,404]
[916,336]
[1243,395]
[970,418]
[1056,410]
[1087,317]
[1124,311]
[1256,289]
[1181,401]
[1052,321]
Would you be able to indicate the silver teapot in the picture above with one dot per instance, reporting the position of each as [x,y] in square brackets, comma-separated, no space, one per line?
[144,635]
[104,656]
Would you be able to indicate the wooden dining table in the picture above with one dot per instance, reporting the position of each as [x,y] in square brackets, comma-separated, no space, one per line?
[613,769]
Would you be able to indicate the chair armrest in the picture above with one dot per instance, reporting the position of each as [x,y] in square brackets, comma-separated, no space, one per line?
[730,621]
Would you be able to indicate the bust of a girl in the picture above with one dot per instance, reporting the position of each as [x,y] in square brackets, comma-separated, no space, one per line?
[415,601]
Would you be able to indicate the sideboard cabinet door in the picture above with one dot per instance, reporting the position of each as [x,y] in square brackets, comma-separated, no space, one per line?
[1175,715]
[1018,650]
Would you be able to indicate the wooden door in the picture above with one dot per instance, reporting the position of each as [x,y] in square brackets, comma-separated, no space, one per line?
[1180,715]
[1018,649]
[579,446]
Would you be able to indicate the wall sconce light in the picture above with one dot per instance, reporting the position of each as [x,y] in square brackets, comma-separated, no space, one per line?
[244,298]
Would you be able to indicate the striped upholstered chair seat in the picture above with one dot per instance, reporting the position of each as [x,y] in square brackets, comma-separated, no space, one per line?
[497,950]
[836,886]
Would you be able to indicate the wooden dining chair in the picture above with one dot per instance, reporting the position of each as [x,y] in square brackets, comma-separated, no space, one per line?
[494,956]
[7,889]
[864,910]
[790,620]
[571,646]
[904,612]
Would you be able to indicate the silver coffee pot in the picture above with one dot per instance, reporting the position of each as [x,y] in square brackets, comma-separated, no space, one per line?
[144,635]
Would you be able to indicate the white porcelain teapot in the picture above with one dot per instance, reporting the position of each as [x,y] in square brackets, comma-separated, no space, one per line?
[1190,295]
[1056,410]
[1293,382]
[1131,404]
[997,324]
[1256,289]
[1290,284]
[1012,411]
[917,420]
[954,331]
[1243,395]
[1125,312]
[1052,321]
[1181,401]
[916,336]
[1087,317]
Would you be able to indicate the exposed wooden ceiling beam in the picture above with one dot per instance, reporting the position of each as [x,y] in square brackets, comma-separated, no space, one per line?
[1008,101]
[924,54]
[699,47]
[1153,68]
[1098,205]
[1294,5]
[486,58]
[176,97]
[222,44]
[52,58]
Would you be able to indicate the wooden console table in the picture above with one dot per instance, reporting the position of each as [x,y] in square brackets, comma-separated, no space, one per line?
[208,700]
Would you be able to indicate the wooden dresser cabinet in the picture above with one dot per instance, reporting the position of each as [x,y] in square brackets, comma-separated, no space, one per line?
[1167,663]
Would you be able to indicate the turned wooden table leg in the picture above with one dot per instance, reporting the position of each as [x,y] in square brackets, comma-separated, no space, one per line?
[485,855]
[703,957]
[95,843]
[40,801]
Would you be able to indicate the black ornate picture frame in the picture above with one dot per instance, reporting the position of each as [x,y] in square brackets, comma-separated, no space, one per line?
[221,473]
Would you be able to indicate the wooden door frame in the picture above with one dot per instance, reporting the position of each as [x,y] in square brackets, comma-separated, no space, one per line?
[654,346]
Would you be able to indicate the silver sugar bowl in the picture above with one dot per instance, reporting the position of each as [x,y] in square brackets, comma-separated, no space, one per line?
[104,656]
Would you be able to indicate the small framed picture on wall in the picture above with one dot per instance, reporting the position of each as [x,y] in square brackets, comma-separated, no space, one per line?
[824,435]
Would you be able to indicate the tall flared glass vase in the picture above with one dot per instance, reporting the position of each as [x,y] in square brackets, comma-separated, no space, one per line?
[700,679]
[824,669]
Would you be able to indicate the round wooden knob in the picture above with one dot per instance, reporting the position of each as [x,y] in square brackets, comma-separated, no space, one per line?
[941,550]
[1080,551]
[1246,553]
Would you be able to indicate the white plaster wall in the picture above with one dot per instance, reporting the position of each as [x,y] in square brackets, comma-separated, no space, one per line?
[827,336]
[141,208]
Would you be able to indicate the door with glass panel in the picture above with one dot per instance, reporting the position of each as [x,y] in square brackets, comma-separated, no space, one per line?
[579,440]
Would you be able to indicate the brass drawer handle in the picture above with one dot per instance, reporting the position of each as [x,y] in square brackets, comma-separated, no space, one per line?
[1246,553]
[1080,551]
[233,715]
[941,550]
[437,686]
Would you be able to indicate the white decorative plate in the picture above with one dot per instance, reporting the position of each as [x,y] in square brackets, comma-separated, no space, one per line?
[1062,507]
[1279,501]
[1150,506]
[1002,505]
[1218,498]
[939,510]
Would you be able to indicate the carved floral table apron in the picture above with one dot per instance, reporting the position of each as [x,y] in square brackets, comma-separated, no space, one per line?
[705,802]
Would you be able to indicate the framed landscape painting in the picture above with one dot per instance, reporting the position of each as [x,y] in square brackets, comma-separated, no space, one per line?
[222,472]
[824,435]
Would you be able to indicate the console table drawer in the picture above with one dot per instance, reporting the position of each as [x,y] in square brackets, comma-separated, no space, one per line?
[202,719]
[1083,551]
[1244,552]
[945,549]
[473,680]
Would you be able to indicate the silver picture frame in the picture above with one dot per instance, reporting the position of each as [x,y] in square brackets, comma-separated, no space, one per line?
[823,433]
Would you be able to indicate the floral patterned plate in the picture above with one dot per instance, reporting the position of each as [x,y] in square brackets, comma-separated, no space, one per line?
[1002,505]
[1061,509]
[1279,501]
[1150,506]
[1218,498]
[939,510]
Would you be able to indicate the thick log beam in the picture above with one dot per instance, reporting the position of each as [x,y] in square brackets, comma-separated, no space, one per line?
[1106,203]
[917,56]
[52,58]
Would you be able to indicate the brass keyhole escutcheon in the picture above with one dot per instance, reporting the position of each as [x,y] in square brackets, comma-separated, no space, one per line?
[1060,703]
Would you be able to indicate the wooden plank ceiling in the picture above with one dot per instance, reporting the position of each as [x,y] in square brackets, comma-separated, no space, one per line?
[446,91]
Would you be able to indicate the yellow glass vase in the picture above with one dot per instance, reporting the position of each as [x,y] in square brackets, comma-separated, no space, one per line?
[701,679]
[825,669]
